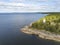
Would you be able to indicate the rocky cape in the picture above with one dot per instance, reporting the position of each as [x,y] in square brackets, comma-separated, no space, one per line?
[41,33]
[51,25]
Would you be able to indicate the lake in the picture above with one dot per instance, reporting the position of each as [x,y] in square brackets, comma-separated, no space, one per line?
[10,29]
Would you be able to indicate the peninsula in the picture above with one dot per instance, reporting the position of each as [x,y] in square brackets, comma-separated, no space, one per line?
[47,27]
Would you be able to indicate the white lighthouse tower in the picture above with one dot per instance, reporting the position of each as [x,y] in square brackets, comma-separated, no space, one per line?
[44,20]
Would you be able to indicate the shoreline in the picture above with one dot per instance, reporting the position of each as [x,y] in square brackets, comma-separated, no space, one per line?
[41,33]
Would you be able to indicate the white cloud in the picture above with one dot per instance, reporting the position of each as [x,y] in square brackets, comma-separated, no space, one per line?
[28,0]
[13,6]
[20,7]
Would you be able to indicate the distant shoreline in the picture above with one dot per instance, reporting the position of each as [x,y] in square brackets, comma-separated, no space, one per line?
[28,12]
[41,33]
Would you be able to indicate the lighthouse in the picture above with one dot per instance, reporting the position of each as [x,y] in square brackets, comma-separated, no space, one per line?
[44,20]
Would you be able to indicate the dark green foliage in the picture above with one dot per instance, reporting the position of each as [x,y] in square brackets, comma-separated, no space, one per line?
[52,23]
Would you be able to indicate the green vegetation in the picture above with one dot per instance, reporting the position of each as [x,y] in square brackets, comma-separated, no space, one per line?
[52,23]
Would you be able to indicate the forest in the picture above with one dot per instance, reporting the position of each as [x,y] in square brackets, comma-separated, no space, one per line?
[50,22]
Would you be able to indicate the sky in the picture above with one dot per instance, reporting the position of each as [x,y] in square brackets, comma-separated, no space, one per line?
[29,5]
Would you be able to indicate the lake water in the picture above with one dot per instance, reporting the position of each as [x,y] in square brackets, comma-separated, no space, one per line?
[10,30]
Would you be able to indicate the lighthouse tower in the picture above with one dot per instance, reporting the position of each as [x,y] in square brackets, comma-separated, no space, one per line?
[44,20]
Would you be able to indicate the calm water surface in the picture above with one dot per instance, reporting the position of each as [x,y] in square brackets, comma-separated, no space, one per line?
[10,34]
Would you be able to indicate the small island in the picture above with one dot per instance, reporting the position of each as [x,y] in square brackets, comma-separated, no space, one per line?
[47,27]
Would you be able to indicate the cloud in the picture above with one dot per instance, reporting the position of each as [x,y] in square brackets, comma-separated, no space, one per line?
[28,0]
[20,7]
[30,6]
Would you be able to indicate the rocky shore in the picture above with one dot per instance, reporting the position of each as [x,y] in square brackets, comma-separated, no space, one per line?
[41,33]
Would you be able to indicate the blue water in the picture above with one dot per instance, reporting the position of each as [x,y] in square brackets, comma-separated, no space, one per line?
[10,30]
